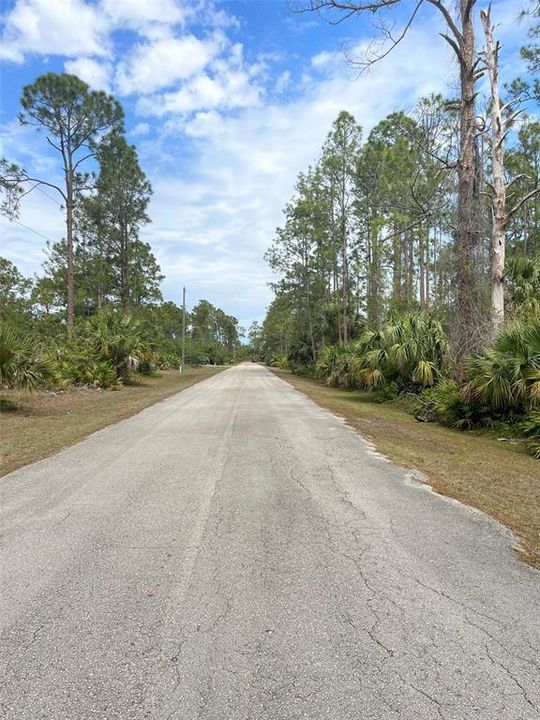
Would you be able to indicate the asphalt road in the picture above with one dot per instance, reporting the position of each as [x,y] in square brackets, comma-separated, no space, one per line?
[236,553]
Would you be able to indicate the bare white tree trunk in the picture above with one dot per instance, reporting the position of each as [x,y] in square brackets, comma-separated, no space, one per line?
[498,190]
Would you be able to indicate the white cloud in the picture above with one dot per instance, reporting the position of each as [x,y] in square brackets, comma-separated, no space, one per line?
[140,129]
[228,84]
[94,72]
[283,82]
[151,66]
[205,124]
[323,59]
[141,14]
[71,28]
[84,28]
[220,18]
[204,93]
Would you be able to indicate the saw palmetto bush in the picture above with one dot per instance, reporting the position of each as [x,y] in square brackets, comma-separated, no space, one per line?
[411,351]
[408,353]
[447,404]
[502,388]
[334,365]
[278,361]
[77,367]
[118,339]
[104,351]
[22,362]
[506,378]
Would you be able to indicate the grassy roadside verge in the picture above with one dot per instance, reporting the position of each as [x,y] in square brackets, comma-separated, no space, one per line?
[45,422]
[496,477]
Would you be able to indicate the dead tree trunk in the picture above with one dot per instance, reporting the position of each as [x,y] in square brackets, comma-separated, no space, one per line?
[498,187]
[501,121]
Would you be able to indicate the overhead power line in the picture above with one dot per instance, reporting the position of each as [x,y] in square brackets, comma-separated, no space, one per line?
[36,232]
[50,197]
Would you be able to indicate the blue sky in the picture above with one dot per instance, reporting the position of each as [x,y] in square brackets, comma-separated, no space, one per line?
[226,102]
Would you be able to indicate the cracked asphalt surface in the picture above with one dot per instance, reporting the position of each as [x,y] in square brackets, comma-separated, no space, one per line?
[234,553]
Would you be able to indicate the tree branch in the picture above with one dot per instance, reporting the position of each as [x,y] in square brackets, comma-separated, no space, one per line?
[89,155]
[38,182]
[468,10]
[394,41]
[453,45]
[52,144]
[521,176]
[448,18]
[523,200]
[347,5]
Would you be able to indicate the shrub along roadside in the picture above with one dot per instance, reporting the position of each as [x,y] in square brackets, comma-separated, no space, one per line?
[22,361]
[103,351]
[405,355]
[506,378]
[410,355]
[501,388]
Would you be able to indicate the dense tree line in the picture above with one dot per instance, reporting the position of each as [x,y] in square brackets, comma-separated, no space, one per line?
[368,232]
[396,267]
[467,162]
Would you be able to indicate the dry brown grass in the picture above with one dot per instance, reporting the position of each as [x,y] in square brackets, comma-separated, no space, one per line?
[46,422]
[496,477]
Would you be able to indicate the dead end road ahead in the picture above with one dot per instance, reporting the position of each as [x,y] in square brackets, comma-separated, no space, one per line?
[237,553]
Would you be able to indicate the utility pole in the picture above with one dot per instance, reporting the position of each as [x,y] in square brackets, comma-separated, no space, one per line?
[182,362]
